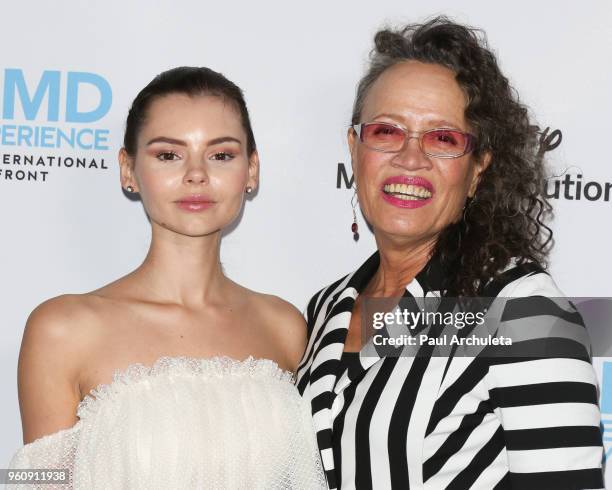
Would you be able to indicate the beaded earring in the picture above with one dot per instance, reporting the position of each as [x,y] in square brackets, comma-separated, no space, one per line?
[354,226]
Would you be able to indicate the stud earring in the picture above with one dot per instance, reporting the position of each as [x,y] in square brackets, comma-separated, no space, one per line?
[249,189]
[354,226]
[130,188]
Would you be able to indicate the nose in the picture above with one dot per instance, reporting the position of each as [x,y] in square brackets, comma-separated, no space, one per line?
[411,156]
[196,172]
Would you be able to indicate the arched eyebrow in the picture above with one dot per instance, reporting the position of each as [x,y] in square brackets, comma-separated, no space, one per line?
[165,139]
[174,141]
[223,139]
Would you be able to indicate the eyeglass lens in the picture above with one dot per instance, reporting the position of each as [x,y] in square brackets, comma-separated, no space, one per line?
[385,137]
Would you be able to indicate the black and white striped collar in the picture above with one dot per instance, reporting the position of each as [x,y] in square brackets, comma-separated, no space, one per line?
[429,279]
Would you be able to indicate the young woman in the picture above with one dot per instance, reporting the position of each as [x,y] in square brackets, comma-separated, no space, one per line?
[173,376]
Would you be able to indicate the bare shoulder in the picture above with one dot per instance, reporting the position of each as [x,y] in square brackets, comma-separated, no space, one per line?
[59,322]
[52,352]
[287,323]
[282,311]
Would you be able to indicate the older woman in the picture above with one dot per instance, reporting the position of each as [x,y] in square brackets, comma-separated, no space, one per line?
[448,174]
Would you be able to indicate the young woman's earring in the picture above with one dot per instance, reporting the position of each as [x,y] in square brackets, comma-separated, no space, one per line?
[249,189]
[130,188]
[354,226]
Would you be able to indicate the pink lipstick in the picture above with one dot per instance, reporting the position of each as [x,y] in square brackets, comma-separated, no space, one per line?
[407,192]
[194,202]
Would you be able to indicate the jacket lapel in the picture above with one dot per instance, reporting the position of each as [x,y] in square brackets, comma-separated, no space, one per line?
[324,379]
[325,361]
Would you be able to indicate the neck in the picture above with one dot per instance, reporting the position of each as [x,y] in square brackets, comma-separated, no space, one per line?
[399,264]
[181,269]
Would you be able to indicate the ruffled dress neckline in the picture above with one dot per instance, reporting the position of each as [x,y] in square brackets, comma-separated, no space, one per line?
[204,367]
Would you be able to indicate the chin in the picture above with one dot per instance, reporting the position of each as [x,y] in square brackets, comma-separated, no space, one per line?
[201,232]
[188,229]
[403,230]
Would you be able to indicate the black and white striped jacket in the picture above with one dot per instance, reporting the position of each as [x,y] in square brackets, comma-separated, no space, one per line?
[456,422]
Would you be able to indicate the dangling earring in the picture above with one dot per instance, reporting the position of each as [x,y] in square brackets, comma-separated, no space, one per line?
[354,226]
[467,206]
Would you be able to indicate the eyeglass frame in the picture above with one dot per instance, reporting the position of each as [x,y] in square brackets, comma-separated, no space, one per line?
[408,135]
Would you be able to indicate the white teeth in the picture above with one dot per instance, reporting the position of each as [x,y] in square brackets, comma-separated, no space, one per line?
[407,192]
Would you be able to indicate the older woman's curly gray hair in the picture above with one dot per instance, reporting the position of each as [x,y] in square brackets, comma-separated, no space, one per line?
[505,220]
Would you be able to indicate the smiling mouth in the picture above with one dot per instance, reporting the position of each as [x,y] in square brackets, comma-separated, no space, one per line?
[406,192]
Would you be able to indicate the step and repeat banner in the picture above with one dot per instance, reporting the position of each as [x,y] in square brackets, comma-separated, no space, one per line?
[69,71]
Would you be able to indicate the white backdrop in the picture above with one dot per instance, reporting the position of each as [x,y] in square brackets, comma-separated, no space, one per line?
[72,229]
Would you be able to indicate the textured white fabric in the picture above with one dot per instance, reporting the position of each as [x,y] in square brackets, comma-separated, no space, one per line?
[183,423]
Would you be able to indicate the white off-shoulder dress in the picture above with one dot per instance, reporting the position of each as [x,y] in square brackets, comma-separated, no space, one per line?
[183,423]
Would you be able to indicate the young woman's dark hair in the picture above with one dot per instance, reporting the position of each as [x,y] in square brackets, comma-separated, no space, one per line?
[505,220]
[191,81]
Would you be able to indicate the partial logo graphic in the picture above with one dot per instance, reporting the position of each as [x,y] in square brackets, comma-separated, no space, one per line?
[52,120]
[572,188]
[342,177]
[606,407]
[567,186]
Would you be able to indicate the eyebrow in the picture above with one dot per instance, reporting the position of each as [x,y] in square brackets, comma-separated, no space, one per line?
[435,122]
[174,141]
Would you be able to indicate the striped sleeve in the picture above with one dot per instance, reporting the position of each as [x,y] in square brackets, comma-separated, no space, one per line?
[547,404]
[310,311]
